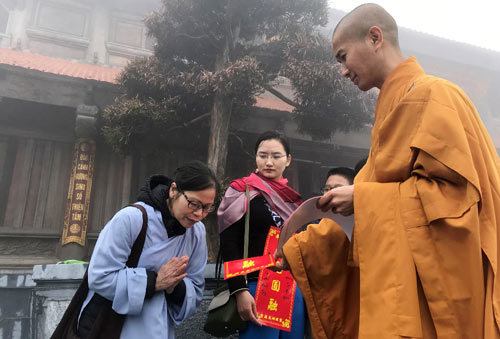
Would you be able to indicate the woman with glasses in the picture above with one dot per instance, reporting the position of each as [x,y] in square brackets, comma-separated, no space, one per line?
[271,202]
[167,285]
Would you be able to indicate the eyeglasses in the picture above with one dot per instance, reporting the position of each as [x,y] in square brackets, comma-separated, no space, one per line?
[274,157]
[196,206]
[328,188]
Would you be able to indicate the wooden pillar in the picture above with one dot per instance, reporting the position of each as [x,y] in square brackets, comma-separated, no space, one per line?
[74,233]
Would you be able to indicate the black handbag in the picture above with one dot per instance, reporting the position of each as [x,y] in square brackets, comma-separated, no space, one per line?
[108,324]
[223,318]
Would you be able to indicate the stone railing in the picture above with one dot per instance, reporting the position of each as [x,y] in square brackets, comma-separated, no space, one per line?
[56,284]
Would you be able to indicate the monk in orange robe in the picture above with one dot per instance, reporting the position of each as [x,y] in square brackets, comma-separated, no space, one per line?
[423,261]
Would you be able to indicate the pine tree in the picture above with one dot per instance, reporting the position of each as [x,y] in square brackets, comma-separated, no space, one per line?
[214,55]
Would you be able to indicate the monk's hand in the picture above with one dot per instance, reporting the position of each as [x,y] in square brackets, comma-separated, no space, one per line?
[339,200]
[247,308]
[171,273]
[281,263]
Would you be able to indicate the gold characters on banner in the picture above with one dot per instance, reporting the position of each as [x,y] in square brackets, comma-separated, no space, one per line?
[80,184]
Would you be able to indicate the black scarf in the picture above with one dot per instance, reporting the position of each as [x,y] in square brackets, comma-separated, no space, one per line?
[155,193]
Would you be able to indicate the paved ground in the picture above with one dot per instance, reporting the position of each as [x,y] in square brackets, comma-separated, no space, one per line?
[193,327]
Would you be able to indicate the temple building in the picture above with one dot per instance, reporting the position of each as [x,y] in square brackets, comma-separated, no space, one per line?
[60,183]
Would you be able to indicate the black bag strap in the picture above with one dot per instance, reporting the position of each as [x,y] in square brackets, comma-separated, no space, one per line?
[218,266]
[67,327]
[138,245]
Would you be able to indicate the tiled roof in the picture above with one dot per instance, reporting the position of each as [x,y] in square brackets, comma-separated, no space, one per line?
[58,66]
[273,103]
[93,72]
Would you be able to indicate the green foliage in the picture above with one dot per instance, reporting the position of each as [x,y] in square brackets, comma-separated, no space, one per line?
[242,80]
[198,30]
[326,103]
[228,48]
[130,124]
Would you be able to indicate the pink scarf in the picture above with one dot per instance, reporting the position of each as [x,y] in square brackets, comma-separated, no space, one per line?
[283,199]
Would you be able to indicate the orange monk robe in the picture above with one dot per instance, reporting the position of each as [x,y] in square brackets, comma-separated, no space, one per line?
[427,213]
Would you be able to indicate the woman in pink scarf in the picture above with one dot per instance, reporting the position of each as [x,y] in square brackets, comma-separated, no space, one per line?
[271,202]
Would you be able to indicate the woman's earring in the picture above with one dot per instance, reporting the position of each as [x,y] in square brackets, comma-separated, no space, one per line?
[256,170]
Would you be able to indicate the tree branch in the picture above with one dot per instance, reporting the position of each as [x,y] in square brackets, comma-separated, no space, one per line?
[189,123]
[203,36]
[280,96]
[241,143]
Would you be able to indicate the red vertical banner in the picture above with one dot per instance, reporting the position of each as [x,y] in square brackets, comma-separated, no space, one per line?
[275,292]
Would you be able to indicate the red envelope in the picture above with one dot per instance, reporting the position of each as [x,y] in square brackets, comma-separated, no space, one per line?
[275,298]
[275,293]
[244,266]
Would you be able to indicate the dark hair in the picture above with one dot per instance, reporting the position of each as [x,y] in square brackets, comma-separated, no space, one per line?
[273,135]
[195,176]
[359,165]
[345,172]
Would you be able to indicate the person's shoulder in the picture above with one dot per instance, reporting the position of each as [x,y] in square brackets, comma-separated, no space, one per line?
[231,190]
[129,215]
[434,88]
[232,195]
[197,232]
[132,211]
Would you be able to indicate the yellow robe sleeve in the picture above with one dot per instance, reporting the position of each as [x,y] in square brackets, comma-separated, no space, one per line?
[328,284]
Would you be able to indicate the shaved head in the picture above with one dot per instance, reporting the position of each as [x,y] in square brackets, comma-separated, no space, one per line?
[356,24]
